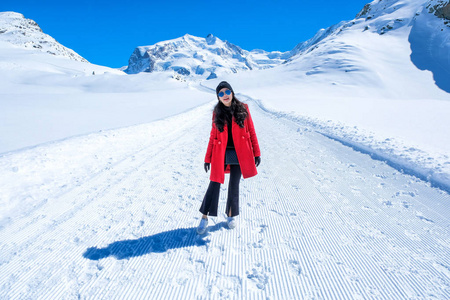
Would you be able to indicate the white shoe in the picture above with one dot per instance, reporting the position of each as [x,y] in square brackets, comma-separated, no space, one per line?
[231,221]
[201,229]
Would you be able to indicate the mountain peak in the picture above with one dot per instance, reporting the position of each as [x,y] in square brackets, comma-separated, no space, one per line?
[187,36]
[210,39]
[17,30]
[10,20]
[200,57]
[11,14]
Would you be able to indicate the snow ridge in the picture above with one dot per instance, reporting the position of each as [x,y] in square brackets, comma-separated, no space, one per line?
[319,36]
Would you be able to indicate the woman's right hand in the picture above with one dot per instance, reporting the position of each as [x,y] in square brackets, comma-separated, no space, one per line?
[207,167]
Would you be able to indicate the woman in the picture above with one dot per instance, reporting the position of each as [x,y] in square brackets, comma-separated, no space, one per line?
[233,148]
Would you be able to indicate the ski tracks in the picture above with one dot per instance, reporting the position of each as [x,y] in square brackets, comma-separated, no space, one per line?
[320,221]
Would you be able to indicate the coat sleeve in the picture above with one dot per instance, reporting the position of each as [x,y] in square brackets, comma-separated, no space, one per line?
[212,136]
[251,131]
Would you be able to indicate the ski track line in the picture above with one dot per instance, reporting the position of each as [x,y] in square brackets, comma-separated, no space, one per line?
[311,226]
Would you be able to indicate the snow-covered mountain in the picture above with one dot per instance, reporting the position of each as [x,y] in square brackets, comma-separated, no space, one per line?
[386,49]
[31,61]
[17,30]
[205,57]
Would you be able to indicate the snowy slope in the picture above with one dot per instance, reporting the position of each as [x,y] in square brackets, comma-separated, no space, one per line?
[117,220]
[200,58]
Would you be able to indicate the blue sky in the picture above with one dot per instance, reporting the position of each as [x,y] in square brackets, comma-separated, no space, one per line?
[106,32]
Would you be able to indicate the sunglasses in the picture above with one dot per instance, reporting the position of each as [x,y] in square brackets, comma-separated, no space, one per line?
[221,94]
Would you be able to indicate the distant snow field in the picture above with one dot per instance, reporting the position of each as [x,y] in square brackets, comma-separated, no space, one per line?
[101,173]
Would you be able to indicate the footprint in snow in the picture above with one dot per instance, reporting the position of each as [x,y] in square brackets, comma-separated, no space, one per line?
[423,218]
[259,276]
[295,267]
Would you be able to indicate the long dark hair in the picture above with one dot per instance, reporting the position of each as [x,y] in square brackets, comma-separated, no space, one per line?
[238,111]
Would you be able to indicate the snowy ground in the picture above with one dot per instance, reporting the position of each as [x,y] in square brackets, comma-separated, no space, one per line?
[111,215]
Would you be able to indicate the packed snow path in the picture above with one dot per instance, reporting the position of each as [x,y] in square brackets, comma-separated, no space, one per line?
[320,221]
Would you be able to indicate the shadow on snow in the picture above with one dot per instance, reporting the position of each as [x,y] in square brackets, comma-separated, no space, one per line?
[430,51]
[157,243]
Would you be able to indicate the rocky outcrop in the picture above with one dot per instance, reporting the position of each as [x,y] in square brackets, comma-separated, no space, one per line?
[364,11]
[442,10]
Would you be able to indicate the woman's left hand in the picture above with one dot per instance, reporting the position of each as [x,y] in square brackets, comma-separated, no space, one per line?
[257,160]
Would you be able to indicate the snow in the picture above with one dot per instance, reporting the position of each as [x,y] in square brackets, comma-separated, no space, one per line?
[101,177]
[118,220]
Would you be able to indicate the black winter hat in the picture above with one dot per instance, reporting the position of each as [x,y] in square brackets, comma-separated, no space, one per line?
[222,85]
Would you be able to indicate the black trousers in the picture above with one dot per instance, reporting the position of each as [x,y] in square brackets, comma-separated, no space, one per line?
[211,199]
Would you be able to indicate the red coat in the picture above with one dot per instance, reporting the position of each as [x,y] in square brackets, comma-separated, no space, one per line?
[245,143]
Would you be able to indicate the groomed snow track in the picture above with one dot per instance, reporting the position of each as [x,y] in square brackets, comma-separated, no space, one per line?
[320,221]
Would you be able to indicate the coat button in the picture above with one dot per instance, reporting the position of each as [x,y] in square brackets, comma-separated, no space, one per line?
[243,137]
[219,142]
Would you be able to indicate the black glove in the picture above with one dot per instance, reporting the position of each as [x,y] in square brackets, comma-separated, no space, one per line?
[207,167]
[257,160]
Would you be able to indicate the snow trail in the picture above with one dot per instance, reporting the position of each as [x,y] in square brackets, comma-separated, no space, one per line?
[319,221]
